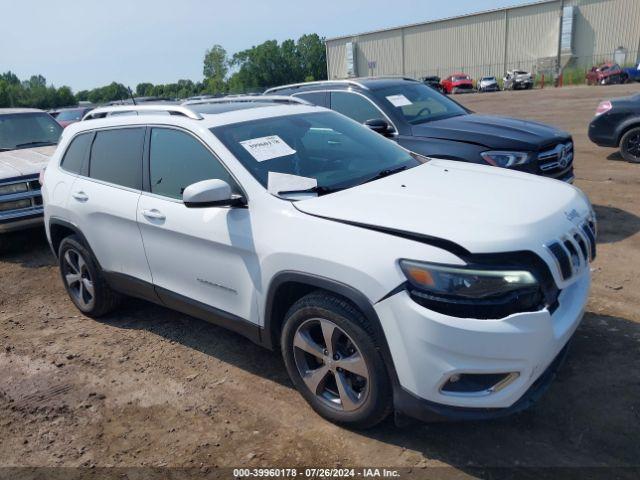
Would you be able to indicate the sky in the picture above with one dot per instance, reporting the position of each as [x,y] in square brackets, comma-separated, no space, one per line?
[90,43]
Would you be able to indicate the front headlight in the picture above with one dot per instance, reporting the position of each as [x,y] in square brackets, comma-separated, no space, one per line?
[472,292]
[13,188]
[506,159]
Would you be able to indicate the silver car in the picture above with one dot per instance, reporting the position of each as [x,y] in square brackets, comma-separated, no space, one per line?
[488,84]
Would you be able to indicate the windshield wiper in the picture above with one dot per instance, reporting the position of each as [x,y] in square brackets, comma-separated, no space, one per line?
[320,190]
[385,173]
[34,144]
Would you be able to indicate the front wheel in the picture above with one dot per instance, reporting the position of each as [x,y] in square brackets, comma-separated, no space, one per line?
[630,145]
[331,354]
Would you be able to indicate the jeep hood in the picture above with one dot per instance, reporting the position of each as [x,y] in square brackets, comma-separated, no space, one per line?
[482,209]
[493,132]
[25,161]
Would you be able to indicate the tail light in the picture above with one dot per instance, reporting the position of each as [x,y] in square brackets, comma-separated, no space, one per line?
[604,107]
[41,176]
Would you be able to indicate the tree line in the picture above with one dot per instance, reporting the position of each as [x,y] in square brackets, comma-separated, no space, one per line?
[252,70]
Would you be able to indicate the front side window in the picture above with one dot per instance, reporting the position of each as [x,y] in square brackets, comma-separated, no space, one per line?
[116,157]
[28,130]
[334,150]
[177,160]
[354,106]
[418,103]
[76,153]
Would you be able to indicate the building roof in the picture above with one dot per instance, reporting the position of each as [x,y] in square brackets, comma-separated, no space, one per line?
[445,19]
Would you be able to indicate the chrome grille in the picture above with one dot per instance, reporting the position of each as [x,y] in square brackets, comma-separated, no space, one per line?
[575,251]
[557,158]
[19,197]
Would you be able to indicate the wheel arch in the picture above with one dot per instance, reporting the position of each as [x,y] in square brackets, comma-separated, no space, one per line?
[292,285]
[60,229]
[627,125]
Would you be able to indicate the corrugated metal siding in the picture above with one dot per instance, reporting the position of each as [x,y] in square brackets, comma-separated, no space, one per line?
[336,59]
[532,33]
[446,47]
[476,43]
[604,25]
[383,48]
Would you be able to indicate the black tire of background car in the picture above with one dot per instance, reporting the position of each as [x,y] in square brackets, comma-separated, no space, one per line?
[347,317]
[631,135]
[106,300]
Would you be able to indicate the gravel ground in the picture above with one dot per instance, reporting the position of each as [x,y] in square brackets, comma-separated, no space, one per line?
[151,387]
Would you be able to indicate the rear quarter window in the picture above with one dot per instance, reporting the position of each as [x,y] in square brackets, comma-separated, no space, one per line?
[116,157]
[76,153]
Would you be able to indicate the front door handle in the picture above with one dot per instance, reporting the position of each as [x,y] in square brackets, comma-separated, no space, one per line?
[80,196]
[153,214]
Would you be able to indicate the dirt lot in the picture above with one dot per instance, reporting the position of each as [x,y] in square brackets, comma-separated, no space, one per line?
[150,387]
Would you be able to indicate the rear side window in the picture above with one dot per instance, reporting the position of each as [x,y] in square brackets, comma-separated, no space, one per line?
[317,98]
[354,106]
[76,153]
[177,160]
[116,157]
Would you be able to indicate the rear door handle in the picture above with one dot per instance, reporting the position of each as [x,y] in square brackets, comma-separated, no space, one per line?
[80,196]
[153,214]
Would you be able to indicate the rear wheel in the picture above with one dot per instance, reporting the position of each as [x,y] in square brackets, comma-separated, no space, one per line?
[332,358]
[630,145]
[83,279]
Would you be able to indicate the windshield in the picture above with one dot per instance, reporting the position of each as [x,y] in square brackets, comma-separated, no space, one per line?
[336,151]
[488,79]
[419,104]
[28,130]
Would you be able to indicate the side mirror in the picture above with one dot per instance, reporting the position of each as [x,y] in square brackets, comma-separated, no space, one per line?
[211,193]
[378,125]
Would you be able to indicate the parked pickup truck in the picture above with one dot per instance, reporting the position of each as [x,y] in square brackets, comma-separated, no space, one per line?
[28,137]
[632,73]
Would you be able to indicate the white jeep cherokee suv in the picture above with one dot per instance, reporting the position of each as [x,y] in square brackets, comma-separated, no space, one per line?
[389,281]
[27,141]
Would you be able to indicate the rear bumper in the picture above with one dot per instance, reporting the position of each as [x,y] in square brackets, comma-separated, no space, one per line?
[603,133]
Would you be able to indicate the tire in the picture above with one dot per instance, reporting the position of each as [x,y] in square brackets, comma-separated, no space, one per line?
[630,145]
[83,279]
[357,400]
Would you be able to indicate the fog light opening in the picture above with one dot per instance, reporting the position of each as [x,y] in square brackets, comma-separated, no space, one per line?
[477,384]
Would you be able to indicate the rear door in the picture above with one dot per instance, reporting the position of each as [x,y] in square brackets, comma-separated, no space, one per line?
[104,201]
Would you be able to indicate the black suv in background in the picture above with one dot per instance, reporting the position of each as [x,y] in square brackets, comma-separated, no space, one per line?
[617,124]
[429,123]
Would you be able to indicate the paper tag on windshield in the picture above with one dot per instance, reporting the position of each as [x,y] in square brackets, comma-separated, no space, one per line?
[267,148]
[399,100]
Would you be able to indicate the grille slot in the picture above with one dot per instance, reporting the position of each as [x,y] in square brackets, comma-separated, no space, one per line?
[583,247]
[562,258]
[591,238]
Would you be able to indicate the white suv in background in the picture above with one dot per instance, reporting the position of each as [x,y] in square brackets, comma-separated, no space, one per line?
[388,281]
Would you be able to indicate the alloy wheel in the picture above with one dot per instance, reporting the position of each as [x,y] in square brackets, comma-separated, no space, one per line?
[331,364]
[632,145]
[78,278]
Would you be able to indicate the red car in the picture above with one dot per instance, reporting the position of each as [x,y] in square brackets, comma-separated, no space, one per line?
[605,74]
[457,83]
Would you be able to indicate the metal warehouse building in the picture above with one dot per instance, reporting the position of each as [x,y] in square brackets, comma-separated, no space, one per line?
[538,37]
